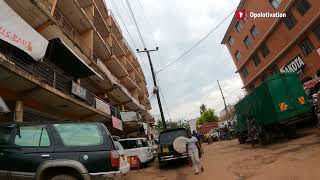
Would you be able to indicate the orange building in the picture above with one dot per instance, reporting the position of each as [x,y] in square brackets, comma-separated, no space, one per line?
[263,46]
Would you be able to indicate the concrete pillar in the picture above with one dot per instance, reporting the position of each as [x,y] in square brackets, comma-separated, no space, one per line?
[87,38]
[90,12]
[53,6]
[18,111]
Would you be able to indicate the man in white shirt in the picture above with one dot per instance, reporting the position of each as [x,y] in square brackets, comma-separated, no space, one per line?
[193,150]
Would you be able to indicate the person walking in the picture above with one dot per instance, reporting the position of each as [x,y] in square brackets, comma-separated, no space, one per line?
[193,149]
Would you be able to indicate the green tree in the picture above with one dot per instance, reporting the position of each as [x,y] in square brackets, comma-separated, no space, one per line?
[172,125]
[203,109]
[207,117]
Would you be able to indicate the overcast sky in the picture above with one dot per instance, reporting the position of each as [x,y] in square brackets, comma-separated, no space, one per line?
[175,26]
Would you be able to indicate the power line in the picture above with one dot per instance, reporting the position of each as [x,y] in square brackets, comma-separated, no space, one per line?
[164,100]
[130,18]
[199,42]
[123,23]
[136,24]
[155,43]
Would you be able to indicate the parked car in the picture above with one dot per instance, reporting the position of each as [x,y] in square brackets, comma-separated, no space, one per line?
[57,151]
[166,151]
[124,164]
[137,147]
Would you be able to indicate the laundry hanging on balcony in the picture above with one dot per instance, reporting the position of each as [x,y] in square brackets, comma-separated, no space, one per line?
[14,30]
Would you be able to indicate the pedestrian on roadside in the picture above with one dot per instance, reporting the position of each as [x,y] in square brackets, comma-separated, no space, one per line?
[199,138]
[193,149]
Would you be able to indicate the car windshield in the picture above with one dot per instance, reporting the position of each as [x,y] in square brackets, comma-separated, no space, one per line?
[137,143]
[167,138]
[5,135]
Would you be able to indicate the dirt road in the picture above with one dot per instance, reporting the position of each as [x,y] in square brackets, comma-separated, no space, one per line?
[297,159]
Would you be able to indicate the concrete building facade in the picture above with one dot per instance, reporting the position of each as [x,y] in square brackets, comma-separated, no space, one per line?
[264,46]
[88,72]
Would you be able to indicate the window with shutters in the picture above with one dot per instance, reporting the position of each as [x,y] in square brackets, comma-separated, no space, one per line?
[247,41]
[244,72]
[237,55]
[290,21]
[238,26]
[302,6]
[254,31]
[306,46]
[275,3]
[264,50]
[256,59]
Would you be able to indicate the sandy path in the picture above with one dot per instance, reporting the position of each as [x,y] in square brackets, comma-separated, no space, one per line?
[297,159]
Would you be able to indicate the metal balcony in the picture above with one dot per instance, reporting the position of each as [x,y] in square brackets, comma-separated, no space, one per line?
[49,76]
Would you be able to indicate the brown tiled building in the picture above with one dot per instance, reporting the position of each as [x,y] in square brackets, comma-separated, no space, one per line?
[263,46]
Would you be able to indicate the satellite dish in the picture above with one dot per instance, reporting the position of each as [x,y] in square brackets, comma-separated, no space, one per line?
[3,106]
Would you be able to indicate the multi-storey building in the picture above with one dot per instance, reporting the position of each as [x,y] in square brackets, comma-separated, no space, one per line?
[67,60]
[263,46]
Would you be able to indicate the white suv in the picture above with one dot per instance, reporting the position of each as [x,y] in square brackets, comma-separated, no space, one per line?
[137,147]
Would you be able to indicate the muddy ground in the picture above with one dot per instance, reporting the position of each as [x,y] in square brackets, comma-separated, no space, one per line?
[296,159]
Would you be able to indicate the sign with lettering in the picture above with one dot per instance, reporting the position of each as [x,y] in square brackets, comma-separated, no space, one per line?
[102,106]
[117,123]
[14,30]
[295,66]
[79,91]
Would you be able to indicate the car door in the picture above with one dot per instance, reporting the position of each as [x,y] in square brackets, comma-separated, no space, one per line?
[5,137]
[86,143]
[31,147]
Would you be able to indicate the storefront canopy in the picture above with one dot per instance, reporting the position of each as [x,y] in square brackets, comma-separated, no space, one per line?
[62,56]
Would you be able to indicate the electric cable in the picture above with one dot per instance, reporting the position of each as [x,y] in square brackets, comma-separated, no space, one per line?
[195,45]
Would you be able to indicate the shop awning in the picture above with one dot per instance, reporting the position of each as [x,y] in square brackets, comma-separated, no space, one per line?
[62,56]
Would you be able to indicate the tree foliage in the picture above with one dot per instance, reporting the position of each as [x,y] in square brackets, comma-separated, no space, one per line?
[203,109]
[207,117]
[172,124]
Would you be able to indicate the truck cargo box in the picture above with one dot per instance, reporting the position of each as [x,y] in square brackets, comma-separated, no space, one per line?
[279,99]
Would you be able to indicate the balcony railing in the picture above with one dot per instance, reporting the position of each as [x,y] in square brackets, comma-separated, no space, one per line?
[50,76]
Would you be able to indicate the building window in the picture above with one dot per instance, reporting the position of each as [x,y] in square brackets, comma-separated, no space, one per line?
[230,41]
[264,50]
[238,56]
[302,6]
[317,31]
[306,46]
[32,137]
[247,41]
[244,19]
[254,31]
[290,21]
[238,26]
[244,72]
[275,3]
[256,59]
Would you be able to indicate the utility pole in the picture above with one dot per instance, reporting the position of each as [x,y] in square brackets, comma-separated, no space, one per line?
[156,89]
[224,100]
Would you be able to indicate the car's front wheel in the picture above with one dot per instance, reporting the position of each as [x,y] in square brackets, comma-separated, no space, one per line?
[63,177]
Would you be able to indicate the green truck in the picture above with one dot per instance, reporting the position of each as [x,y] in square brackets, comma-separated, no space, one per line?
[271,109]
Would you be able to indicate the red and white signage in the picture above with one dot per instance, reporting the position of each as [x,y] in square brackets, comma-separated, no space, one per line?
[240,14]
[117,123]
[14,30]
